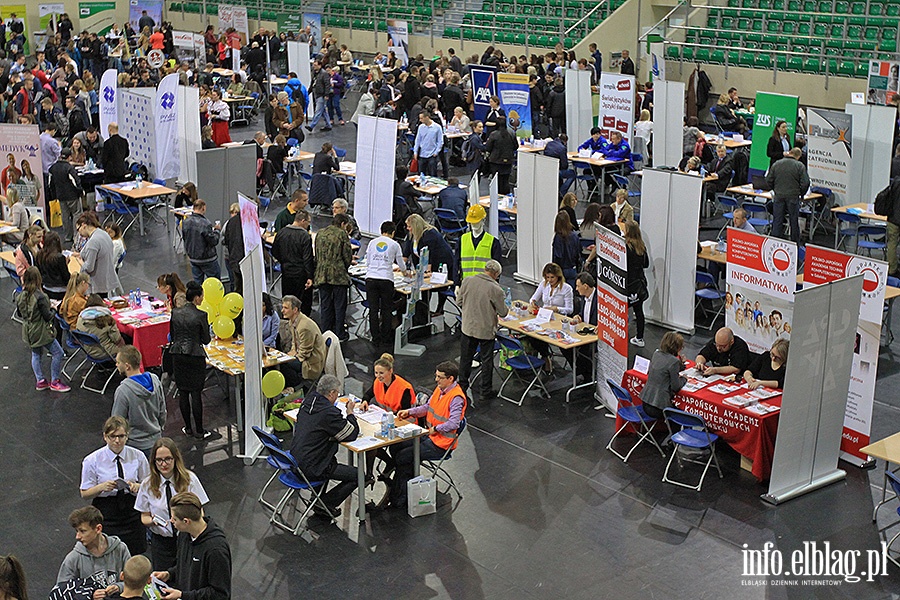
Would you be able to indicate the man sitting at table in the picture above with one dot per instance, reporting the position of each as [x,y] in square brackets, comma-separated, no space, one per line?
[299,200]
[454,198]
[444,413]
[307,345]
[586,313]
[319,429]
[595,143]
[721,170]
[556,148]
[741,222]
[725,354]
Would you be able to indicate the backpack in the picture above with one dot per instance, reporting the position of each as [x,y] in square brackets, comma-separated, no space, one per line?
[884,201]
[468,151]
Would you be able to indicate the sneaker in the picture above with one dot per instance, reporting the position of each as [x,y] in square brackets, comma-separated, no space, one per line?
[326,129]
[639,342]
[203,435]
[58,386]
[187,431]
[43,384]
[308,128]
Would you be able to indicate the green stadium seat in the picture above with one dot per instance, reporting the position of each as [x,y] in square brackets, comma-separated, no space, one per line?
[846,68]
[687,53]
[544,41]
[794,5]
[743,24]
[773,26]
[707,39]
[804,29]
[831,66]
[734,3]
[745,60]
[861,21]
[862,69]
[747,3]
[872,33]
[777,5]
[889,34]
[795,63]
[781,62]
[812,65]
[888,46]
[532,39]
[519,39]
[820,30]
[726,22]
[824,6]
[837,31]
[789,28]
[876,9]
[757,25]
[717,57]
[764,4]
[858,8]
[841,8]
[175,6]
[854,32]
[702,55]
[810,6]
[893,10]
[672,52]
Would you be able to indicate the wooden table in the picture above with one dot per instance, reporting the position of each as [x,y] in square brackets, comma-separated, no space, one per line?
[7,226]
[728,142]
[433,185]
[370,430]
[140,195]
[402,284]
[527,147]
[228,356]
[514,323]
[749,190]
[887,450]
[73,263]
[861,210]
[502,203]
[602,164]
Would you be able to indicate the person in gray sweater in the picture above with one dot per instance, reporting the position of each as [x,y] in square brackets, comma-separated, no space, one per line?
[481,300]
[663,379]
[98,255]
[94,550]
[140,399]
[789,181]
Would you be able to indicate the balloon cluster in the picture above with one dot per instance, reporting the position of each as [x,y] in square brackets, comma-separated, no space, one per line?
[221,309]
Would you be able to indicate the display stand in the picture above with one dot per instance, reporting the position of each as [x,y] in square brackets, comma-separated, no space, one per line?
[668,111]
[537,209]
[402,347]
[579,108]
[872,139]
[375,167]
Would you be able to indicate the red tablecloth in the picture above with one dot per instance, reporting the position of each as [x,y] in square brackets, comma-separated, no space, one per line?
[147,337]
[751,435]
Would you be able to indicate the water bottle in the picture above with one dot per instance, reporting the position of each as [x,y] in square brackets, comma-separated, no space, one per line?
[421,179]
[721,246]
[444,270]
[721,138]
[387,421]
[140,180]
[508,299]
[702,171]
[137,297]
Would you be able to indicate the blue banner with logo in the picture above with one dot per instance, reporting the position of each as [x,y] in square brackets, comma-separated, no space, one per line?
[515,99]
[484,85]
[168,156]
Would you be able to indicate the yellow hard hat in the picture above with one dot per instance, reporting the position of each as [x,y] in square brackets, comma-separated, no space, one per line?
[476,214]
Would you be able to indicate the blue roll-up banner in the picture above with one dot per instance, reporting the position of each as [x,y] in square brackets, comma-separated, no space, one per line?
[515,99]
[484,85]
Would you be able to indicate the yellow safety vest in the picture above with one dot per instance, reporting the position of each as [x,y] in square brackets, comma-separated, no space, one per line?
[472,259]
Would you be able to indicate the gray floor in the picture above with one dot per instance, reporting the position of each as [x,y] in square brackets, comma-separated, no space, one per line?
[546,511]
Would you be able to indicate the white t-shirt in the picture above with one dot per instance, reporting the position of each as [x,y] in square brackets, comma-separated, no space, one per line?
[147,502]
[382,254]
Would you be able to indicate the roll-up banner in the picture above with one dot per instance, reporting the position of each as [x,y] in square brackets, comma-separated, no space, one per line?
[612,312]
[250,231]
[398,39]
[822,266]
[761,278]
[21,145]
[314,22]
[96,16]
[373,197]
[515,99]
[154,10]
[109,101]
[484,85]
[168,157]
[770,109]
[7,11]
[829,151]
[617,104]
[658,61]
[884,82]
[236,17]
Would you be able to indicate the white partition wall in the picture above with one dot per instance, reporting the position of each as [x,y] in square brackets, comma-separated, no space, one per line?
[873,135]
[188,131]
[579,109]
[298,62]
[254,405]
[668,117]
[536,196]
[670,209]
[375,162]
[136,124]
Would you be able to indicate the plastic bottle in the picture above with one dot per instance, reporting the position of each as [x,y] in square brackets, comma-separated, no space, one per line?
[137,297]
[140,180]
[387,421]
[508,300]
[444,269]
[421,179]
[702,171]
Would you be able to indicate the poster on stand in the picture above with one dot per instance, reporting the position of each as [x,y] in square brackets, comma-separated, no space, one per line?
[829,139]
[97,16]
[22,147]
[7,11]
[49,15]
[484,85]
[154,10]
[314,22]
[884,82]
[770,109]
[236,17]
[761,280]
[612,313]
[515,99]
[168,157]
[617,104]
[822,266]
[398,39]
[658,61]
[109,101]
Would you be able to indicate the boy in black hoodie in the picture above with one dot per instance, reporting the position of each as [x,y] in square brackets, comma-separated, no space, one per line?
[203,564]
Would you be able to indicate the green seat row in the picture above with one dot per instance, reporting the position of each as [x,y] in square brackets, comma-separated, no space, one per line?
[760,60]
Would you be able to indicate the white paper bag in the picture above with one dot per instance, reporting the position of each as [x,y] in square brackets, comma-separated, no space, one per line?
[421,498]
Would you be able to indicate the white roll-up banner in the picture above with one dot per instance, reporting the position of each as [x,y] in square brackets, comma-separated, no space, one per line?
[168,155]
[109,101]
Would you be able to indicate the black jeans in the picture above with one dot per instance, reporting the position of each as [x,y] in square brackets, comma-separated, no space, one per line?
[347,477]
[380,295]
[190,402]
[790,206]
[296,286]
[404,458]
[428,165]
[333,308]
[468,346]
[293,373]
[639,317]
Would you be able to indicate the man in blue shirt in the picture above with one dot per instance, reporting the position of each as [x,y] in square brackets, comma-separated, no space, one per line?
[429,144]
[454,198]
[618,149]
[598,59]
[596,143]
[557,149]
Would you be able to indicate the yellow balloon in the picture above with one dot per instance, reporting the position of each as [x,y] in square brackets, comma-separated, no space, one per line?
[272,384]
[205,307]
[212,315]
[223,327]
[213,291]
[232,305]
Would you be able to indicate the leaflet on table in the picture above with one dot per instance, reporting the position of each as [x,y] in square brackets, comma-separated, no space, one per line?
[763,393]
[692,373]
[724,388]
[364,443]
[762,409]
[693,385]
[741,400]
[292,414]
[409,430]
[373,415]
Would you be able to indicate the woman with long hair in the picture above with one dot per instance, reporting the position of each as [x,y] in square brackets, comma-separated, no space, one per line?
[779,144]
[768,369]
[75,298]
[440,254]
[12,579]
[186,196]
[270,322]
[190,332]
[77,155]
[555,294]
[566,247]
[54,266]
[97,320]
[663,376]
[219,117]
[18,217]
[38,332]
[567,205]
[171,285]
[30,180]
[635,280]
[168,476]
[28,249]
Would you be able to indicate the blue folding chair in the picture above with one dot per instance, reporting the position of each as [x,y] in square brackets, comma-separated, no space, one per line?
[707,290]
[88,340]
[437,468]
[758,215]
[872,237]
[728,204]
[894,481]
[11,271]
[360,286]
[847,227]
[450,225]
[69,343]
[692,434]
[269,440]
[296,483]
[524,363]
[506,227]
[122,211]
[633,415]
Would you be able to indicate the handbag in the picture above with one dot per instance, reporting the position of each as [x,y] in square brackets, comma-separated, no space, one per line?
[421,496]
[55,214]
[414,165]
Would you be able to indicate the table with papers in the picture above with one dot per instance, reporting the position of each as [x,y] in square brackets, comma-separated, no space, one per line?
[147,326]
[369,439]
[746,420]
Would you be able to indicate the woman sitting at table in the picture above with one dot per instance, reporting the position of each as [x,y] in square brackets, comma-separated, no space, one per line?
[77,155]
[729,121]
[186,196]
[170,284]
[53,266]
[270,322]
[236,87]
[624,211]
[97,319]
[424,235]
[553,292]
[663,379]
[75,298]
[206,140]
[768,369]
[18,217]
[461,121]
[276,153]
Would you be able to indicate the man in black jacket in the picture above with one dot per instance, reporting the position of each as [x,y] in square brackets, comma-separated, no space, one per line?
[200,240]
[75,115]
[203,564]
[789,181]
[293,249]
[112,157]
[65,186]
[233,240]
[627,64]
[319,429]
[721,170]
[320,88]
